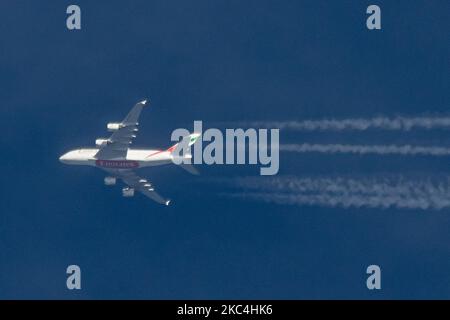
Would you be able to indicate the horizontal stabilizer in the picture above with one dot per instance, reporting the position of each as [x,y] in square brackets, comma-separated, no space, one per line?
[190,168]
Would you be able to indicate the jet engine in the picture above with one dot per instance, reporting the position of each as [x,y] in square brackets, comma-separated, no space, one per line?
[114,126]
[110,181]
[127,192]
[149,187]
[101,142]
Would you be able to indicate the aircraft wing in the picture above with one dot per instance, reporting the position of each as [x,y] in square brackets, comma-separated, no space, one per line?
[120,140]
[142,185]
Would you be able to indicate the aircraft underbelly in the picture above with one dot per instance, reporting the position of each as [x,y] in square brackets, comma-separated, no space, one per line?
[154,163]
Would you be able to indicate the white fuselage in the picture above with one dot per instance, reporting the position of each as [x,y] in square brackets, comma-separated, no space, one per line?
[135,158]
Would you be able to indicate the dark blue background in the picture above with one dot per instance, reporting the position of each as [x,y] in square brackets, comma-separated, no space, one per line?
[214,61]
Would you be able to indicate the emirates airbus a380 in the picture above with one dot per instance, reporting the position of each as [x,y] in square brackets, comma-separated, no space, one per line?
[115,157]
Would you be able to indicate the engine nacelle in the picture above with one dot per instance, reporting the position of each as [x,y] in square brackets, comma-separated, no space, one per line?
[114,126]
[110,181]
[101,142]
[127,192]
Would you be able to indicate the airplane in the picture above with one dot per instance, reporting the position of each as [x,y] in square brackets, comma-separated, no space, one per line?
[115,156]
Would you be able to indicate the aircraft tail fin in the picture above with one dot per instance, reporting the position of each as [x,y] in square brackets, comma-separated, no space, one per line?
[190,140]
[177,149]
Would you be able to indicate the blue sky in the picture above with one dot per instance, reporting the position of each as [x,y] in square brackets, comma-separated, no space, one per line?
[216,61]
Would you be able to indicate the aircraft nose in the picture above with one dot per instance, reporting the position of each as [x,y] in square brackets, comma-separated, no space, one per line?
[63,158]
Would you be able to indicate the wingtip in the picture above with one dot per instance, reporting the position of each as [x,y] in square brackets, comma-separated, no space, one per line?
[167,202]
[144,102]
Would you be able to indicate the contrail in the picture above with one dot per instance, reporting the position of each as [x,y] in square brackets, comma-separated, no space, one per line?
[346,192]
[361,124]
[348,201]
[380,186]
[367,149]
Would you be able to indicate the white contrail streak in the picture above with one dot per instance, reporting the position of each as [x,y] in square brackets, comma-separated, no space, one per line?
[347,201]
[366,149]
[380,186]
[346,192]
[383,123]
